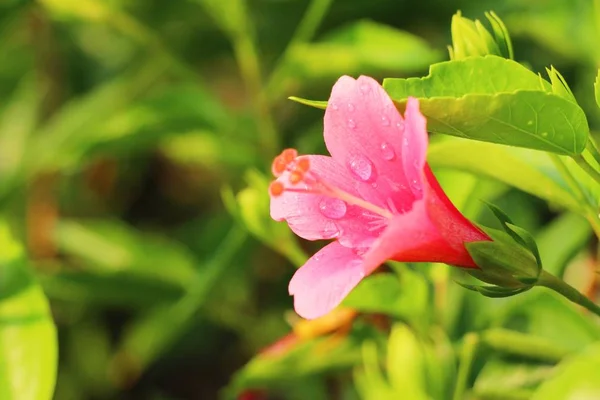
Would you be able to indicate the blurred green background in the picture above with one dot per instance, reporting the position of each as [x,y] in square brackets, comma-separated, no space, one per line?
[135,144]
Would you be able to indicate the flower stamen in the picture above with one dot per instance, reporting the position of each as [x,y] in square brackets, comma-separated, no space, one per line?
[299,171]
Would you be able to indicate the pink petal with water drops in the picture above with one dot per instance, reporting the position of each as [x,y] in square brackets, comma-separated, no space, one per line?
[325,280]
[315,216]
[414,146]
[364,132]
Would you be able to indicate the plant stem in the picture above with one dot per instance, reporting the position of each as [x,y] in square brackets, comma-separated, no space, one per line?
[467,356]
[558,285]
[591,171]
[304,32]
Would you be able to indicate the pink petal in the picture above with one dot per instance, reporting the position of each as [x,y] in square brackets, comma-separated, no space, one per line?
[314,216]
[325,280]
[365,133]
[432,231]
[414,146]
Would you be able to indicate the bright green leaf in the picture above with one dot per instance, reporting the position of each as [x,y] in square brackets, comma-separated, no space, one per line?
[575,377]
[495,100]
[28,343]
[402,297]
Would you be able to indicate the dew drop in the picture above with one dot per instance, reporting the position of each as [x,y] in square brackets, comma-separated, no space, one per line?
[331,230]
[365,88]
[350,107]
[387,151]
[351,124]
[332,208]
[400,126]
[374,185]
[385,121]
[334,106]
[414,185]
[362,168]
[544,134]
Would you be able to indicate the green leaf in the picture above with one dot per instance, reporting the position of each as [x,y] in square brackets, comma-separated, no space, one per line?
[515,376]
[126,289]
[574,378]
[28,343]
[529,313]
[559,85]
[17,121]
[530,171]
[501,35]
[471,38]
[362,47]
[405,297]
[110,246]
[406,364]
[495,100]
[312,103]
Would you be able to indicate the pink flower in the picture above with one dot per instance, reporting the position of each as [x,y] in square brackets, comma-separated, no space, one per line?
[375,195]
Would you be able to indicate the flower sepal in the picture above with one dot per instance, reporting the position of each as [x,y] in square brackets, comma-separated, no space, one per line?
[511,262]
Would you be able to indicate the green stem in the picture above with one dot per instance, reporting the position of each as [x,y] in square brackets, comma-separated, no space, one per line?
[304,32]
[467,356]
[591,171]
[558,285]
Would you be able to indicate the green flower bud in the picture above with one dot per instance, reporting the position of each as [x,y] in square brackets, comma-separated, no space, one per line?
[471,38]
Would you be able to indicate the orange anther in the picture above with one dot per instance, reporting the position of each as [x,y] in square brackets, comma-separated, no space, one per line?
[296,176]
[289,155]
[303,164]
[276,188]
[279,165]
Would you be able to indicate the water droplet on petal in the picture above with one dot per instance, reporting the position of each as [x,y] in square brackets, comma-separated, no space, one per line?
[400,126]
[334,106]
[415,186]
[365,88]
[350,107]
[385,121]
[362,168]
[331,230]
[387,151]
[405,141]
[374,185]
[360,251]
[332,208]
[351,124]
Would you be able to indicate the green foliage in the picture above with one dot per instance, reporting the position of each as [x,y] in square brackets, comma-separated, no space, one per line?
[471,38]
[496,100]
[135,144]
[28,335]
